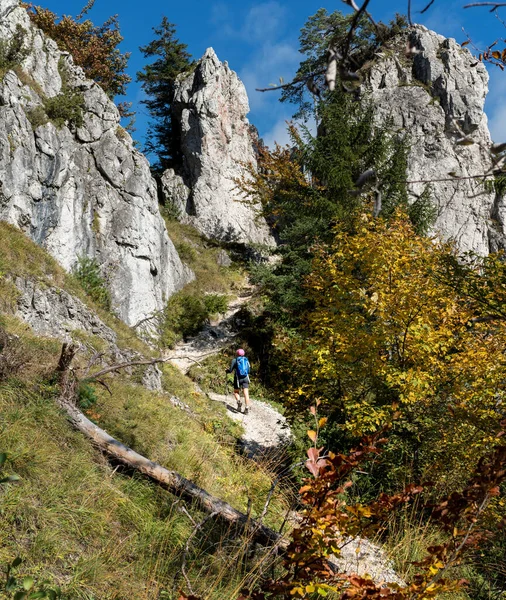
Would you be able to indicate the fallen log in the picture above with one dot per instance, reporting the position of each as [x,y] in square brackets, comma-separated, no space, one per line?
[170,480]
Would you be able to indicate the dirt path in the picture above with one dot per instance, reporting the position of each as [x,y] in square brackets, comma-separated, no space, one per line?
[265,429]
[213,337]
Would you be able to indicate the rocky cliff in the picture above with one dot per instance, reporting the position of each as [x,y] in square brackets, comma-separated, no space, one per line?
[210,108]
[434,90]
[70,177]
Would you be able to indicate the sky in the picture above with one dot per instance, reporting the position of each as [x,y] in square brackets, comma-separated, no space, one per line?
[260,42]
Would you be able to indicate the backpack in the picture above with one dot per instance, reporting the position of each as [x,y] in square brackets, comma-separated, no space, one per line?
[242,366]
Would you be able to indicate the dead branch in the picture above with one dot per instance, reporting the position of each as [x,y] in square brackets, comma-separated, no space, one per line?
[169,480]
[456,178]
[427,7]
[291,83]
[68,352]
[495,5]
[353,26]
[141,363]
[126,365]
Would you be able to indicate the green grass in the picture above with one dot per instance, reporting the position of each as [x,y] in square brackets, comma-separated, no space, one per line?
[204,297]
[101,533]
[202,257]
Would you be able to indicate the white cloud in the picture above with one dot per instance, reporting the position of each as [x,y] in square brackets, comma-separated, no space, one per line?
[279,133]
[270,62]
[264,21]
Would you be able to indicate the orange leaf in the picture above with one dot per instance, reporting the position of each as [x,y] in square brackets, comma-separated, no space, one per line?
[312,435]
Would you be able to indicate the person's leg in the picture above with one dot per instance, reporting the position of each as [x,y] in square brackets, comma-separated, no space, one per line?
[245,392]
[237,398]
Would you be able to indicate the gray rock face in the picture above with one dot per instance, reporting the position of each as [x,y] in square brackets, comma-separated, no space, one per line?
[53,312]
[437,98]
[81,191]
[216,141]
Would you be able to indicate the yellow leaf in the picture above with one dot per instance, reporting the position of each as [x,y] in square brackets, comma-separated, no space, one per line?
[312,435]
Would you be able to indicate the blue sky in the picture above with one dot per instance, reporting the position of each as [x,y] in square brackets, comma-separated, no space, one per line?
[260,41]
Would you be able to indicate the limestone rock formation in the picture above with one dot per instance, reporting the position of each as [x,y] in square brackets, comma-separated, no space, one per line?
[210,107]
[437,97]
[79,188]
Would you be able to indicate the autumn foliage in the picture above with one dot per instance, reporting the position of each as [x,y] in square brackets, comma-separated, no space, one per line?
[94,48]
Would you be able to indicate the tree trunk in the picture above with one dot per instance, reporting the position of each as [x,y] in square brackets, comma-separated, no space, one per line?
[170,480]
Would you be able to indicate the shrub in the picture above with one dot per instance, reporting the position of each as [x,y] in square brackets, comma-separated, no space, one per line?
[87,396]
[37,116]
[87,272]
[186,251]
[187,312]
[216,304]
[12,355]
[94,48]
[12,52]
[66,107]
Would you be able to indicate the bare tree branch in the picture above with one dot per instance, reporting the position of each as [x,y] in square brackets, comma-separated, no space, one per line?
[427,7]
[293,82]
[353,26]
[141,363]
[495,5]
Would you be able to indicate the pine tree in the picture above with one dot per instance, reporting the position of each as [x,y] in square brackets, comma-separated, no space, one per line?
[158,82]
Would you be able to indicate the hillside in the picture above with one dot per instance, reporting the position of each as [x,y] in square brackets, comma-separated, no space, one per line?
[89,527]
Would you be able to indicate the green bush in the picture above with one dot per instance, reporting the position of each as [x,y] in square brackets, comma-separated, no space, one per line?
[87,396]
[67,107]
[12,52]
[216,304]
[187,312]
[87,273]
[186,251]
[37,116]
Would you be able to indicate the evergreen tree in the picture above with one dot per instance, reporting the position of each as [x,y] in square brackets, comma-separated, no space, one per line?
[158,82]
[323,30]
[307,190]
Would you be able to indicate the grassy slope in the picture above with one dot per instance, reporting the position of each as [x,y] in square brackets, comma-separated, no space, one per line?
[97,532]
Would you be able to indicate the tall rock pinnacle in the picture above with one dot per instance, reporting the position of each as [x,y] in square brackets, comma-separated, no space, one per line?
[436,97]
[210,107]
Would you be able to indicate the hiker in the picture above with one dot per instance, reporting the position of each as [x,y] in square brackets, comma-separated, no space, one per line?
[240,367]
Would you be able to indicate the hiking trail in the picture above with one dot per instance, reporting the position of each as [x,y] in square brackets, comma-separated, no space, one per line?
[265,429]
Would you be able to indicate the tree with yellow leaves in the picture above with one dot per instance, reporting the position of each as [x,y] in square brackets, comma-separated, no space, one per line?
[399,333]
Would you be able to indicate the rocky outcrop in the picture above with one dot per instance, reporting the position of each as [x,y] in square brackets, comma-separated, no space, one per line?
[80,188]
[436,95]
[210,108]
[53,312]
